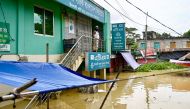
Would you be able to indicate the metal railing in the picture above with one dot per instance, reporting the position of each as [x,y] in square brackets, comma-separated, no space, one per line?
[40,101]
[83,44]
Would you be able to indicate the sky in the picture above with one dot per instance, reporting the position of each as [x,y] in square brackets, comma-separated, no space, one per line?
[173,13]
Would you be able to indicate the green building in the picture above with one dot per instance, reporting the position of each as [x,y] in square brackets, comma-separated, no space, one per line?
[26,26]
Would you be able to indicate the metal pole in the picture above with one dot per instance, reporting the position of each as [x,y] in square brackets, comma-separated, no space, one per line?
[31,101]
[13,96]
[25,86]
[48,102]
[47,60]
[112,85]
[146,38]
[47,52]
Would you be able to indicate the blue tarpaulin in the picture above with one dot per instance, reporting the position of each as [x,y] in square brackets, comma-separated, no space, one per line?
[51,77]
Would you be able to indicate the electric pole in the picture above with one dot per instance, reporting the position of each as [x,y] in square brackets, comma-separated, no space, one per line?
[146,38]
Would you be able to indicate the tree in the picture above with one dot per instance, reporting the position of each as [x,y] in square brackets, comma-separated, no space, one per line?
[166,35]
[130,38]
[186,34]
[130,30]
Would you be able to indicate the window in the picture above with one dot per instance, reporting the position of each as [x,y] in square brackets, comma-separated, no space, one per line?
[172,44]
[143,45]
[156,45]
[43,21]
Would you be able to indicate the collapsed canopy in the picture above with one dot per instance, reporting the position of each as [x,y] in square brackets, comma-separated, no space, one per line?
[51,77]
[130,60]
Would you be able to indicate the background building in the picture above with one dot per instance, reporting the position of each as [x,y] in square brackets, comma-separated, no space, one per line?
[167,44]
[166,47]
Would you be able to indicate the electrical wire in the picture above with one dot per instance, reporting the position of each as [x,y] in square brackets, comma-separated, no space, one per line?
[123,14]
[153,18]
[158,29]
[121,7]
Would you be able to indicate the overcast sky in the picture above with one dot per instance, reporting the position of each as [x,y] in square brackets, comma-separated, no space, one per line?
[173,13]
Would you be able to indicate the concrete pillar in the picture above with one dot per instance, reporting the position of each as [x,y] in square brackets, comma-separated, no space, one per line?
[103,74]
[93,74]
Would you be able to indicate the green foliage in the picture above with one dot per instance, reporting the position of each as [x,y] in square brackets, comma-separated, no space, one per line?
[166,35]
[158,66]
[130,30]
[130,38]
[134,46]
[186,34]
[130,41]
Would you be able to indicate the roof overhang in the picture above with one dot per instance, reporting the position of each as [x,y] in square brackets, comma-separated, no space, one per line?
[86,7]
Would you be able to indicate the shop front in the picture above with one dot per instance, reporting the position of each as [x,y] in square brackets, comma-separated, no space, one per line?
[31,25]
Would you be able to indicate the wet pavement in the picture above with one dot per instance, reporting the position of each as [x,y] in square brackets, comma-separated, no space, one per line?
[171,91]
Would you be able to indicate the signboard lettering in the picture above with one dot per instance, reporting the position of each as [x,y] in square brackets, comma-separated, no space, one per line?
[86,7]
[97,60]
[118,37]
[4,37]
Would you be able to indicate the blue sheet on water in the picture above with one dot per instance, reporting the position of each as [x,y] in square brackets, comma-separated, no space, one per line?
[51,77]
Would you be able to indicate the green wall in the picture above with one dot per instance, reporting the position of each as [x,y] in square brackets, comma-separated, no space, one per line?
[35,44]
[10,11]
[107,31]
[19,13]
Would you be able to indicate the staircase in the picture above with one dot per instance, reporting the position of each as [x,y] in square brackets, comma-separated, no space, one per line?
[76,54]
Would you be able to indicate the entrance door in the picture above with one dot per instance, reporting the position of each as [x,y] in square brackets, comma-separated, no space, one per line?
[84,25]
[69,31]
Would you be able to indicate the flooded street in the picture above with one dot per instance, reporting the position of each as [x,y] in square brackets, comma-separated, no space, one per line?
[171,91]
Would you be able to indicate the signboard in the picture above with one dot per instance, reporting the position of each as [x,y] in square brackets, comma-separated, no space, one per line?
[118,37]
[4,37]
[97,60]
[85,7]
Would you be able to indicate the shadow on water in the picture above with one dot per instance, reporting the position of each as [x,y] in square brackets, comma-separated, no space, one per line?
[171,91]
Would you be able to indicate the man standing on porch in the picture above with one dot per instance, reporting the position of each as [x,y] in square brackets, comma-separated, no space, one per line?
[96,38]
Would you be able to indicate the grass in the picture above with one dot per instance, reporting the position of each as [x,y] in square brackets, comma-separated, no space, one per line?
[158,66]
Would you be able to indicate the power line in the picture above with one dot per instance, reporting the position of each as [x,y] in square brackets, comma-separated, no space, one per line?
[123,14]
[153,18]
[121,7]
[128,17]
[158,29]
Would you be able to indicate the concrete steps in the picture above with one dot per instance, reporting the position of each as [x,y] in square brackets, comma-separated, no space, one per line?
[77,63]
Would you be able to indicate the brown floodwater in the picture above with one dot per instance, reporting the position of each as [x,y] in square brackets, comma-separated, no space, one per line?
[171,91]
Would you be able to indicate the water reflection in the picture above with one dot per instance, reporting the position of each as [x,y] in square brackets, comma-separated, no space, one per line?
[158,92]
